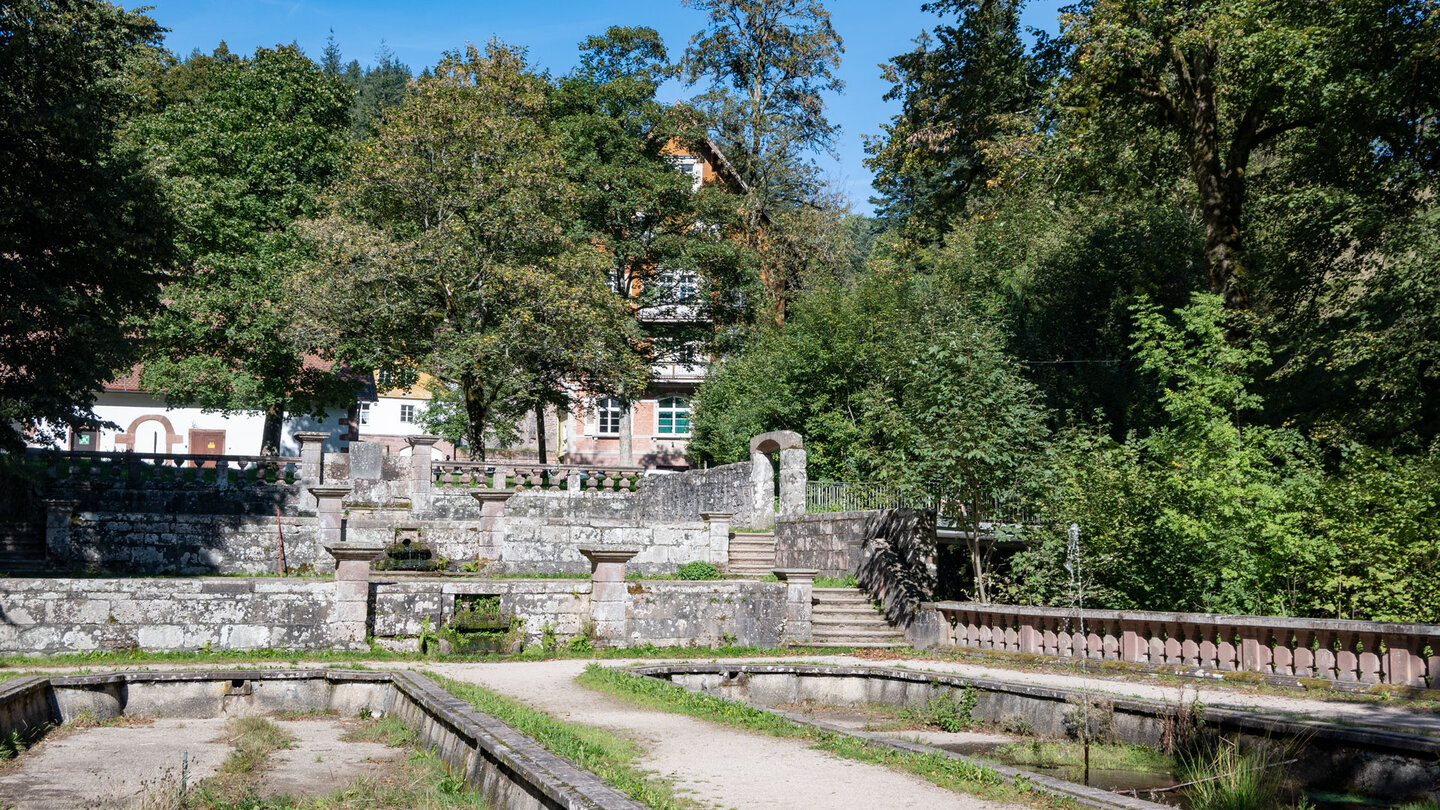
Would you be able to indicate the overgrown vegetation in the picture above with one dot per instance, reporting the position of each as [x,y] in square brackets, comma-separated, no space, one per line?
[951,774]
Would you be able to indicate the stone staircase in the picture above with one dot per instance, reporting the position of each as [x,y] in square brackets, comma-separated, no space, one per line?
[752,554]
[845,617]
[22,548]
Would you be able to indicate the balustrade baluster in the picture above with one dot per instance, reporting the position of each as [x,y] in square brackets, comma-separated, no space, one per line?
[1282,657]
[1227,657]
[1189,645]
[1049,641]
[1172,645]
[1303,654]
[1369,658]
[1347,663]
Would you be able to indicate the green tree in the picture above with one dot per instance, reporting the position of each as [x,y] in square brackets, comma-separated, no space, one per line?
[241,161]
[83,225]
[1231,79]
[446,249]
[961,87]
[768,64]
[680,281]
[968,428]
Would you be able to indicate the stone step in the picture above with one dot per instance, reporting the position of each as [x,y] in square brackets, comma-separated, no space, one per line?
[875,645]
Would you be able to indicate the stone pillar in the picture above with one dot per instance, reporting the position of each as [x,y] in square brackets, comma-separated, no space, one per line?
[718,524]
[762,489]
[351,619]
[792,482]
[421,480]
[312,466]
[328,512]
[799,583]
[492,521]
[58,548]
[608,596]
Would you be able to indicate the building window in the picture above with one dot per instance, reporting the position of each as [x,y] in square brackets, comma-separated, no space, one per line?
[390,380]
[674,416]
[362,413]
[607,416]
[407,414]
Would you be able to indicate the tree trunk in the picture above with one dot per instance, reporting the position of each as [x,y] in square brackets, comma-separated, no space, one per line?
[1221,188]
[627,446]
[540,430]
[270,434]
[477,413]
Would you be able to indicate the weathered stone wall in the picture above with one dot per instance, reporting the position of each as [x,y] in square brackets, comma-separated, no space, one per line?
[47,616]
[401,606]
[669,613]
[162,543]
[890,551]
[661,612]
[198,527]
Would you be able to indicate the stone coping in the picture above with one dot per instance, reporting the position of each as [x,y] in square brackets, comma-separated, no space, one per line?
[1222,619]
[1368,736]
[555,781]
[1081,794]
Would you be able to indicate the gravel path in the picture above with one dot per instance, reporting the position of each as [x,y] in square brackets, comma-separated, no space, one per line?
[712,763]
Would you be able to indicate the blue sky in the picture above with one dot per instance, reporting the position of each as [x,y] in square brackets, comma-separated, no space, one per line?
[418,33]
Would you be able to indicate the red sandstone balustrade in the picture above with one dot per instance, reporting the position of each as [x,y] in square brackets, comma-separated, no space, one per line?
[1329,649]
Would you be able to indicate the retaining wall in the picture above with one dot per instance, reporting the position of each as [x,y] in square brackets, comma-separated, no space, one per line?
[49,616]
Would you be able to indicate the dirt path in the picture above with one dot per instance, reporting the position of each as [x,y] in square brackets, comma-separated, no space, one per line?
[712,763]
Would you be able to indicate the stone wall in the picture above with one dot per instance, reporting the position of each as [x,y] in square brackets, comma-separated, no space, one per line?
[401,606]
[675,614]
[48,616]
[198,527]
[665,613]
[890,551]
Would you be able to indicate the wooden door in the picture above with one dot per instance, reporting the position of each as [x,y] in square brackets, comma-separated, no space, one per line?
[207,443]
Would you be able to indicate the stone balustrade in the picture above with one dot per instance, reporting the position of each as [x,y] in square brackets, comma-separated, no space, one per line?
[549,477]
[1337,650]
[169,468]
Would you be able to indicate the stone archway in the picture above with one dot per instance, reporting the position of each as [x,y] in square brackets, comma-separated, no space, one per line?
[791,448]
[126,440]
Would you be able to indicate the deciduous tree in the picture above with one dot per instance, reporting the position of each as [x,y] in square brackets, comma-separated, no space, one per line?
[84,233]
[447,249]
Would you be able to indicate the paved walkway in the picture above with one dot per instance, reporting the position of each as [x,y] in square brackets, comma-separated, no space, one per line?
[712,763]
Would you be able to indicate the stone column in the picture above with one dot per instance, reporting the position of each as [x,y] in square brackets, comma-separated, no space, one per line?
[492,521]
[312,466]
[329,513]
[58,548]
[718,523]
[792,482]
[762,492]
[351,620]
[799,583]
[421,460]
[608,596]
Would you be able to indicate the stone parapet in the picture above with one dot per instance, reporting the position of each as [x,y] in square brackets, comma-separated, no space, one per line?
[1326,649]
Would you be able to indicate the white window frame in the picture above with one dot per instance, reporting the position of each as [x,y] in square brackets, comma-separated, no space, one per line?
[408,413]
[673,410]
[608,407]
[362,413]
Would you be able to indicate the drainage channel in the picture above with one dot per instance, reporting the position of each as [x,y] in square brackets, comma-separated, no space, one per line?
[1326,764]
[507,768]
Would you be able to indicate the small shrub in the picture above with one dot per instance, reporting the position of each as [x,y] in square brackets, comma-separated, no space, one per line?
[699,570]
[1230,779]
[945,710]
